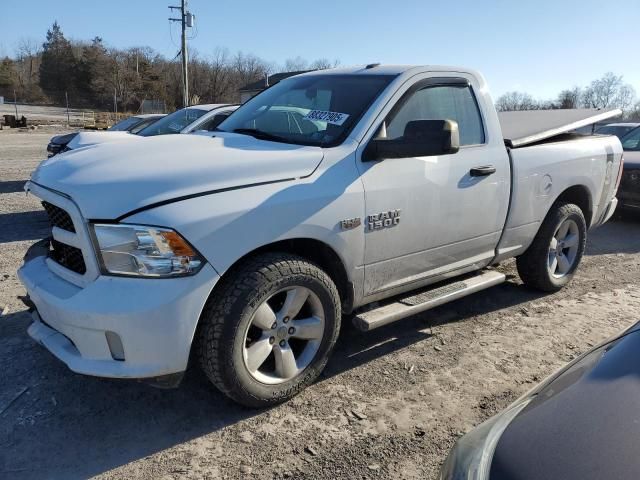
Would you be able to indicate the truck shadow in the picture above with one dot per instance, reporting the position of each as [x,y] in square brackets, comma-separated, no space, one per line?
[12,186]
[620,235]
[96,425]
[71,426]
[15,227]
[356,348]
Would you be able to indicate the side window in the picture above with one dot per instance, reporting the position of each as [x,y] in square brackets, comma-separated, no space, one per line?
[211,124]
[632,140]
[441,102]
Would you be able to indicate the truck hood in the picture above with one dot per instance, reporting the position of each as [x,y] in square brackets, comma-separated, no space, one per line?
[85,139]
[110,180]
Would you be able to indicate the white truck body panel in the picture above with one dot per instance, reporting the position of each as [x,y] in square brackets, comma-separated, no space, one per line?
[202,164]
[544,171]
[229,194]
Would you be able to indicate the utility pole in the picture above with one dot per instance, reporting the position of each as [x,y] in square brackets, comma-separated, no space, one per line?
[66,97]
[186,20]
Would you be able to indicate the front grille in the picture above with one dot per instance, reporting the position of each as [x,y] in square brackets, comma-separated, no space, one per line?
[68,256]
[58,217]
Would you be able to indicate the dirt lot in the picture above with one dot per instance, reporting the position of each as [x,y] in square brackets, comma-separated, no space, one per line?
[390,404]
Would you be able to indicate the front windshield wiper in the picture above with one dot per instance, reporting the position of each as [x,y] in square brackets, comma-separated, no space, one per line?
[254,132]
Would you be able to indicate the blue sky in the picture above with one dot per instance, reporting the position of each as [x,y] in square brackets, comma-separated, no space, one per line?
[536,46]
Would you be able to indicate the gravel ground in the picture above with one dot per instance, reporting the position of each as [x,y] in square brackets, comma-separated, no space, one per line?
[38,113]
[390,404]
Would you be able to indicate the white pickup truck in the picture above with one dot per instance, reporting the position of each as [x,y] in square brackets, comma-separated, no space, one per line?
[374,192]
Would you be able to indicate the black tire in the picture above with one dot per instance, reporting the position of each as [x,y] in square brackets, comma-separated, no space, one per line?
[227,316]
[533,266]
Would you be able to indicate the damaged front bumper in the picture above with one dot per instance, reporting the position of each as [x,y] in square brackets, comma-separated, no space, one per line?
[115,327]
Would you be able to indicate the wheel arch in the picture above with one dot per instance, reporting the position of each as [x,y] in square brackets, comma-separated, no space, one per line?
[313,250]
[580,196]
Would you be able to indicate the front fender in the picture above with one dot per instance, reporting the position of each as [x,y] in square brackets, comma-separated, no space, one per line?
[226,226]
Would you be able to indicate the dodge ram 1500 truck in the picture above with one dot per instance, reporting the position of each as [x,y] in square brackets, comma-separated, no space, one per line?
[375,192]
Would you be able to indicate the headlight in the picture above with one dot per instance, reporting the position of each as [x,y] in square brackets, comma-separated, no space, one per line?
[471,457]
[144,251]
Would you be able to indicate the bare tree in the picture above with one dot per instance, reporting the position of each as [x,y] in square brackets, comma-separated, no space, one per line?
[569,98]
[323,64]
[295,64]
[220,82]
[633,114]
[626,97]
[516,101]
[610,91]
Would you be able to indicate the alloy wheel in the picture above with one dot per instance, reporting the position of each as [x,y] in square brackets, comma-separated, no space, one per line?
[563,249]
[284,335]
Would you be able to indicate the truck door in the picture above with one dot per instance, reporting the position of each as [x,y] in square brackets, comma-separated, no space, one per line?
[430,217]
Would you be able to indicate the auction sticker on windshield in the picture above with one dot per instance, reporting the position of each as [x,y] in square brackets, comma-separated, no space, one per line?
[334,118]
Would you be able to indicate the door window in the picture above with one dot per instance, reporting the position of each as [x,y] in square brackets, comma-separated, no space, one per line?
[440,102]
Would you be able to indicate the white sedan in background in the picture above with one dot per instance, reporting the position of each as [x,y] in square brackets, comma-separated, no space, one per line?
[185,120]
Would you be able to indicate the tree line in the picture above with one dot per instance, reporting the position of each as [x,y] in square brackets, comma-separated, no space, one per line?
[610,91]
[93,75]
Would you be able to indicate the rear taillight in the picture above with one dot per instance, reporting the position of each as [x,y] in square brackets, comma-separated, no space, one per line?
[619,173]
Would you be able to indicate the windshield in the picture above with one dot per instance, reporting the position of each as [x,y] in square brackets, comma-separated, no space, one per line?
[631,141]
[124,125]
[143,124]
[173,123]
[316,110]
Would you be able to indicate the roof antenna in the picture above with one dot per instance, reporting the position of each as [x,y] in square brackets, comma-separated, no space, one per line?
[372,65]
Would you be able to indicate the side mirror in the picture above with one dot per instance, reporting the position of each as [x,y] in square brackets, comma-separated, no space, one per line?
[422,138]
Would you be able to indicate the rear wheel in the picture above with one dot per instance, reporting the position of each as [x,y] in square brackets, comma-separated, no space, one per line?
[268,331]
[555,253]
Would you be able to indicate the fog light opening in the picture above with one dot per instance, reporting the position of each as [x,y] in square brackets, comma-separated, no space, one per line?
[115,345]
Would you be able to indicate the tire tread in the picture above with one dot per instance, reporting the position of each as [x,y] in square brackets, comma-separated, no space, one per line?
[532,264]
[253,274]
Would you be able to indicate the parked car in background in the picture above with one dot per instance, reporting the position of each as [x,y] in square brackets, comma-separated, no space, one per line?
[617,129]
[210,120]
[187,119]
[629,191]
[330,192]
[579,424]
[179,121]
[135,123]
[132,124]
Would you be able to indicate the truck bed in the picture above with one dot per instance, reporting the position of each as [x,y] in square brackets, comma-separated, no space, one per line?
[525,127]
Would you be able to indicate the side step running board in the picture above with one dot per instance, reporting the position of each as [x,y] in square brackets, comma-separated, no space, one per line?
[414,303]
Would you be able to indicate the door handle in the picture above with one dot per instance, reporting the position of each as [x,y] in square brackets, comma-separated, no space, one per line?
[482,171]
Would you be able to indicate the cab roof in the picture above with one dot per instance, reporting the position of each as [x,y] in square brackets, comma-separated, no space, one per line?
[382,69]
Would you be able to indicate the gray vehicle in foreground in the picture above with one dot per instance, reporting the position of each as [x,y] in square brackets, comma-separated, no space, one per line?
[579,424]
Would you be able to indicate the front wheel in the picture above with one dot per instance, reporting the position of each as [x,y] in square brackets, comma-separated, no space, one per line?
[555,253]
[268,331]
